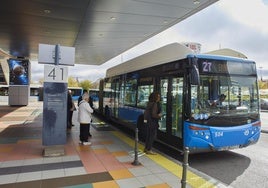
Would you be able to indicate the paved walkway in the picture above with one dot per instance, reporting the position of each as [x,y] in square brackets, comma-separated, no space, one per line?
[106,163]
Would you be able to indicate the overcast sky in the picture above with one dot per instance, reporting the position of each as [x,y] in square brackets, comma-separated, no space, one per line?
[241,25]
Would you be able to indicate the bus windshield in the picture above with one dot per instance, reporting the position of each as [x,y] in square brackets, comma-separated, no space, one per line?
[225,100]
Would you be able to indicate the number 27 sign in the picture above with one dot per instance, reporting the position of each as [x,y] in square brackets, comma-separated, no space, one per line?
[55,73]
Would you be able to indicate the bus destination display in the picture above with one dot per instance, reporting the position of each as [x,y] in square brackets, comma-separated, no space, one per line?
[227,67]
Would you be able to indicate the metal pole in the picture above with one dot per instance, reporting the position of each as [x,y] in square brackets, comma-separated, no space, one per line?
[185,166]
[57,54]
[136,161]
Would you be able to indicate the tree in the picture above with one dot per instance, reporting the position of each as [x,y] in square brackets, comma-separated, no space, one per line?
[72,82]
[263,84]
[85,84]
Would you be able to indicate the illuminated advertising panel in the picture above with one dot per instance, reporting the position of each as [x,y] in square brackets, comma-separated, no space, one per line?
[18,71]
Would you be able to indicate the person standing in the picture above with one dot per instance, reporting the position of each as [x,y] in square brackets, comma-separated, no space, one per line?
[80,97]
[84,118]
[90,102]
[151,116]
[69,111]
[71,108]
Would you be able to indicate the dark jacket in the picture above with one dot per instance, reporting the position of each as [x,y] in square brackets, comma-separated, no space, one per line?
[151,113]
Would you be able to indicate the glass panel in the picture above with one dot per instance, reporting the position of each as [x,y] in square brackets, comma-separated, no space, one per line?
[107,98]
[233,99]
[130,92]
[3,91]
[177,104]
[34,92]
[115,89]
[122,94]
[143,95]
[163,94]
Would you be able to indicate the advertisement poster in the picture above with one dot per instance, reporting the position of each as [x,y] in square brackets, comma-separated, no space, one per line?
[18,71]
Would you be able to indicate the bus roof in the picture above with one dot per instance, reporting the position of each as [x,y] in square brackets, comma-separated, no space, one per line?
[219,57]
[168,53]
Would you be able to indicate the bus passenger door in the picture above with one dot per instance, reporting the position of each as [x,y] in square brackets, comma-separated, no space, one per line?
[164,98]
[171,91]
[176,106]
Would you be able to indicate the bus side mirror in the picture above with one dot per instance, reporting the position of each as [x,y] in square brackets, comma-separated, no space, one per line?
[194,76]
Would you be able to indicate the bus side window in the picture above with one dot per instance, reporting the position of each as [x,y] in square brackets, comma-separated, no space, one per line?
[143,95]
[130,92]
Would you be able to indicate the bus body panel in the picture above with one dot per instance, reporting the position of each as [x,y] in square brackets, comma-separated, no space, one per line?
[220,138]
[129,114]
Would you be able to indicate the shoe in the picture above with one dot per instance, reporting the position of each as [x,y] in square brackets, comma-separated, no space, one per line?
[89,135]
[150,152]
[86,143]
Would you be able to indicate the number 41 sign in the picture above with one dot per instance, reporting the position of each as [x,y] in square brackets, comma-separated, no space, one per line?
[56,73]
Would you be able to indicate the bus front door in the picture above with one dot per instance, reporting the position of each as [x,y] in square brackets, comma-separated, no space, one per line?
[171,91]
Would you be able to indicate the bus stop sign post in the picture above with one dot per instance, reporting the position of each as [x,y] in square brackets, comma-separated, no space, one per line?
[55,99]
[57,54]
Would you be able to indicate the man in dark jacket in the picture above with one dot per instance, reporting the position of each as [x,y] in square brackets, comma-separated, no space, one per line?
[69,110]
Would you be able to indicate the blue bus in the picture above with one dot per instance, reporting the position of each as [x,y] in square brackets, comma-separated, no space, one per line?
[190,86]
[76,92]
[94,96]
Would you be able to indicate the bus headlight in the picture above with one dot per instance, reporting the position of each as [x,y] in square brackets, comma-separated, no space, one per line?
[200,116]
[196,116]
